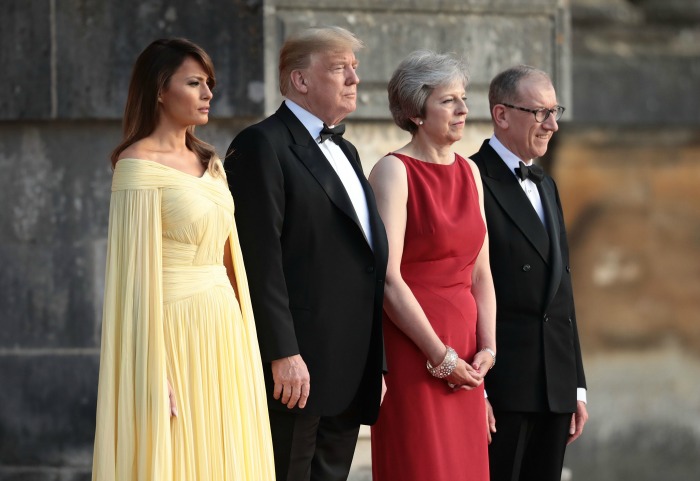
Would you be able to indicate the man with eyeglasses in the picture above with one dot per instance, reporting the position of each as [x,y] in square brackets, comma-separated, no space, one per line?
[537,390]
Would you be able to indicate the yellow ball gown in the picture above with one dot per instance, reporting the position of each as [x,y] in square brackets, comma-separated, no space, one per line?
[171,314]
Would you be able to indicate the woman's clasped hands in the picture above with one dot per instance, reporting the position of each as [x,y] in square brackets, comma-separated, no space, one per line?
[469,376]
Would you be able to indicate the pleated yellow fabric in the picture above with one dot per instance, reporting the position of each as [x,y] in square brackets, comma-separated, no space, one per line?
[170,313]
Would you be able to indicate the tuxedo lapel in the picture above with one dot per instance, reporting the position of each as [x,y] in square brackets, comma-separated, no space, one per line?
[375,221]
[504,186]
[310,155]
[548,196]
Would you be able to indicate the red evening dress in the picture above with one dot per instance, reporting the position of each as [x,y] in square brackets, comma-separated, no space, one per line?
[426,432]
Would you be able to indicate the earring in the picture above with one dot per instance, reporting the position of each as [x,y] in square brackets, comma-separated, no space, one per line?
[420,122]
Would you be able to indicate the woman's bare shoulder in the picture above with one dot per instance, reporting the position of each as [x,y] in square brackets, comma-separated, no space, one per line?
[139,150]
[389,166]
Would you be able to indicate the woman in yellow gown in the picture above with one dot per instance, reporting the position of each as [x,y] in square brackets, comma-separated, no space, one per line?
[181,394]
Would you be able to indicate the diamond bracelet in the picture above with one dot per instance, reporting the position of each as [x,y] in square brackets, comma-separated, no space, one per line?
[445,368]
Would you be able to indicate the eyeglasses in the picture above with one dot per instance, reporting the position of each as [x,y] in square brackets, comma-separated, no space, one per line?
[541,114]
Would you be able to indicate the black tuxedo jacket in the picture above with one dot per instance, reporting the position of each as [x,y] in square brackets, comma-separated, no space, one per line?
[539,358]
[316,284]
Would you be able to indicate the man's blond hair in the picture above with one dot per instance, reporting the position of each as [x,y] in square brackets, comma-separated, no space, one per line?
[298,48]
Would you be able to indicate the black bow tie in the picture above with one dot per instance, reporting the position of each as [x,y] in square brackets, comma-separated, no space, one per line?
[532,172]
[335,133]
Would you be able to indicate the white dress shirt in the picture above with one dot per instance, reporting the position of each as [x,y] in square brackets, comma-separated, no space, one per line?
[529,187]
[340,163]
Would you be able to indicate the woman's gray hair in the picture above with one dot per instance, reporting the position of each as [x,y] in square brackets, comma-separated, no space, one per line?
[504,87]
[415,79]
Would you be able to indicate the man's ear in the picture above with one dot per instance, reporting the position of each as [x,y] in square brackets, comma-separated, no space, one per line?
[498,113]
[298,82]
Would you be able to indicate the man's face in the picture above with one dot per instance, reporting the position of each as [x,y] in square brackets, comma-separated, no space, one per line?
[331,80]
[524,136]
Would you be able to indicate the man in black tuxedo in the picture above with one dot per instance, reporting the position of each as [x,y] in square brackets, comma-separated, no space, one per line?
[537,389]
[315,252]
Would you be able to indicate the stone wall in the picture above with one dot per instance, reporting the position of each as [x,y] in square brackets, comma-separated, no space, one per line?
[488,33]
[632,207]
[628,169]
[625,159]
[66,66]
[71,59]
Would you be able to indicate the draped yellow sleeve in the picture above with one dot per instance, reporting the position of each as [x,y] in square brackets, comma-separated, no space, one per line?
[132,438]
[257,421]
[254,424]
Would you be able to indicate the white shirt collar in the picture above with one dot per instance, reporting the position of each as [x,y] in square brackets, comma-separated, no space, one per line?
[511,160]
[310,122]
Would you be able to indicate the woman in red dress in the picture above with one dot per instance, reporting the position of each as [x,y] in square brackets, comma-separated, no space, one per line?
[439,305]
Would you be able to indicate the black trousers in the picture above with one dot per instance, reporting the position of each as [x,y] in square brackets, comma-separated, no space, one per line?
[313,448]
[528,446]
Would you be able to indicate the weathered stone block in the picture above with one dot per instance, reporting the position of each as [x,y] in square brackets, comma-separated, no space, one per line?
[25,57]
[81,53]
[631,90]
[592,13]
[56,181]
[112,35]
[632,70]
[44,474]
[50,296]
[56,194]
[47,409]
[423,6]
[633,214]
[490,43]
[644,422]
[671,11]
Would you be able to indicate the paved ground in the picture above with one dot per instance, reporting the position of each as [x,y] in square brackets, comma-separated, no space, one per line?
[361,469]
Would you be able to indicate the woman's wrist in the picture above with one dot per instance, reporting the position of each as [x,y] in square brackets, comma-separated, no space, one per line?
[493,355]
[445,368]
[436,356]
